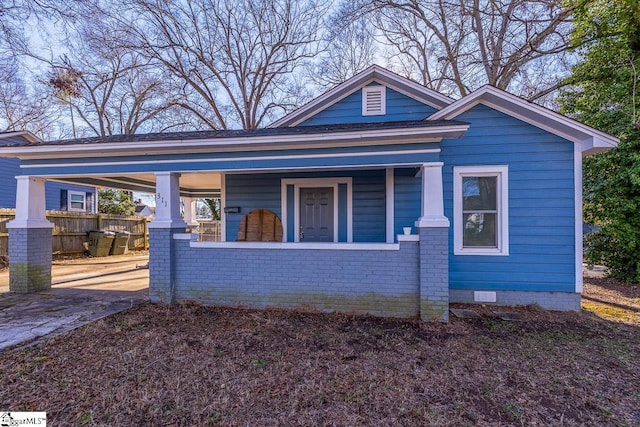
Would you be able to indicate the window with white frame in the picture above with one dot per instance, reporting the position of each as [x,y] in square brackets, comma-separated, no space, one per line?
[481,205]
[77,201]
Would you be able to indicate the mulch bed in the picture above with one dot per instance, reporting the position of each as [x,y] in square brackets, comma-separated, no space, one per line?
[190,365]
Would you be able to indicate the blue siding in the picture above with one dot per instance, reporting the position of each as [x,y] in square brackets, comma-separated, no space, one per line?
[53,189]
[293,159]
[262,191]
[407,203]
[342,212]
[290,208]
[541,204]
[369,212]
[349,110]
[251,192]
[9,169]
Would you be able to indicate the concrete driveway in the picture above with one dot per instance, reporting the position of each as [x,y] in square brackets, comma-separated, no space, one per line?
[83,290]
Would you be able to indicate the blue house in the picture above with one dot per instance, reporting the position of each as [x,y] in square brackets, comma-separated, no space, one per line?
[59,196]
[380,196]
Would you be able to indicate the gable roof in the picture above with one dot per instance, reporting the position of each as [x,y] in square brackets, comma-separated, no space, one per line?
[591,140]
[26,135]
[373,73]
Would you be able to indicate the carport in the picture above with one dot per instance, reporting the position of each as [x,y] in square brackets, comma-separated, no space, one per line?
[138,167]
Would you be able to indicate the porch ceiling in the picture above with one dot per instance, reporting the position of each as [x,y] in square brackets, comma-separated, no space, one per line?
[192,184]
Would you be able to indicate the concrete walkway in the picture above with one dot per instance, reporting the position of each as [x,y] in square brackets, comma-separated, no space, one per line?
[83,291]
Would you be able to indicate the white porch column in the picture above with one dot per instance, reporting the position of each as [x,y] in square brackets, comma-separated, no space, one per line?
[167,201]
[433,228]
[30,204]
[432,197]
[30,239]
[190,211]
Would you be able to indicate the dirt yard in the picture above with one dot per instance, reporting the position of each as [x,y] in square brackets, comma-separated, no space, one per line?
[188,365]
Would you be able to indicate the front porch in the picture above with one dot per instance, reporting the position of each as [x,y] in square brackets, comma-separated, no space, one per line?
[341,194]
[388,274]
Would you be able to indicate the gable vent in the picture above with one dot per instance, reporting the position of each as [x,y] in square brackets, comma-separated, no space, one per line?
[374,101]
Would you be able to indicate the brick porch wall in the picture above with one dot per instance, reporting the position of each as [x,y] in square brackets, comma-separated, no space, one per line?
[378,282]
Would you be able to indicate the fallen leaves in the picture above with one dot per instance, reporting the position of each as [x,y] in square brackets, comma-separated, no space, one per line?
[190,365]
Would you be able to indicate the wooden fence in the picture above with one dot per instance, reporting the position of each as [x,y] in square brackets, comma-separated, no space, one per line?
[70,230]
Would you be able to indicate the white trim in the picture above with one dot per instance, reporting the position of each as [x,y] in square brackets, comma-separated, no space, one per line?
[432,197]
[382,90]
[275,142]
[77,193]
[375,73]
[577,182]
[590,140]
[502,173]
[185,236]
[283,210]
[236,159]
[167,223]
[223,204]
[390,205]
[299,246]
[299,183]
[339,168]
[167,201]
[408,238]
[29,223]
[30,203]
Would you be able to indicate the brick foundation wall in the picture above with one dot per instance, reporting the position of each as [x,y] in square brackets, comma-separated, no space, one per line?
[560,301]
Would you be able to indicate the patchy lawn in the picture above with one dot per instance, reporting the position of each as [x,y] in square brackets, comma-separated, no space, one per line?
[188,365]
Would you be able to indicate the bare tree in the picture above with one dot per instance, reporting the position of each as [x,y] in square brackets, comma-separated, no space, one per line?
[234,61]
[20,108]
[350,49]
[115,90]
[458,45]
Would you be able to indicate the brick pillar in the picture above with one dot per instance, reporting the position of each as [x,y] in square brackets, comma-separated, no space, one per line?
[30,259]
[434,274]
[30,239]
[433,228]
[161,264]
[167,222]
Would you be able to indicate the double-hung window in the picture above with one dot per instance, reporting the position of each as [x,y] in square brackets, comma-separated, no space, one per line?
[77,201]
[481,210]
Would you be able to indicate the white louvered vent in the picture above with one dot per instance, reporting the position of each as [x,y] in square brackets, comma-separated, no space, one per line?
[374,101]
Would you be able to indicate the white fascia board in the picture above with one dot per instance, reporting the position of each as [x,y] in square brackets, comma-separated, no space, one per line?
[275,142]
[374,73]
[533,114]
